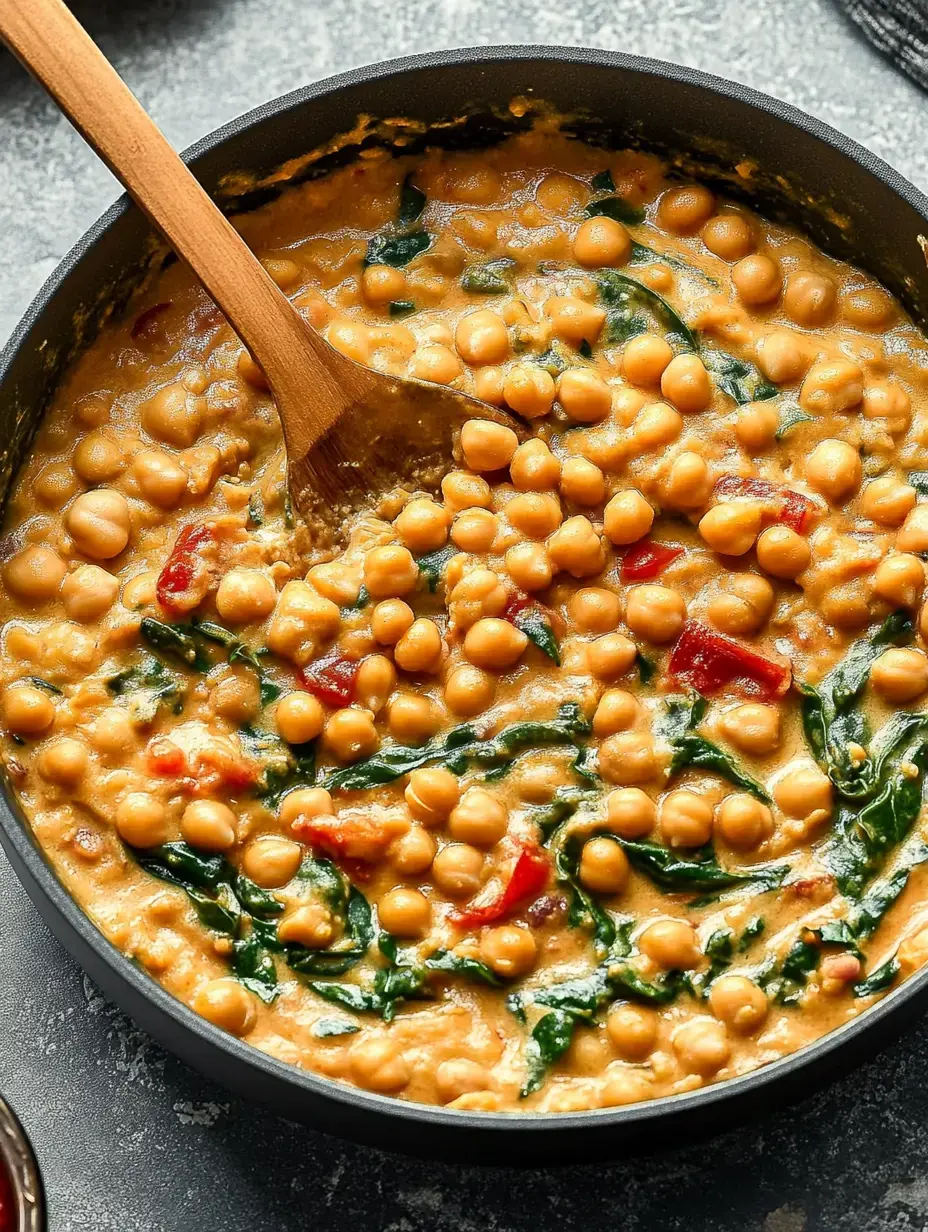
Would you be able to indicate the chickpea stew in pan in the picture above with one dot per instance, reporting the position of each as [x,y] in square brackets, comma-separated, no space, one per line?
[594,776]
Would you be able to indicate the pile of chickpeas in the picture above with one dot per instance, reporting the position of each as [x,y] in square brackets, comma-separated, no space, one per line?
[170,424]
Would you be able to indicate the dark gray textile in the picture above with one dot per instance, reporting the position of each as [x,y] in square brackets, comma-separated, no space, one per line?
[897,27]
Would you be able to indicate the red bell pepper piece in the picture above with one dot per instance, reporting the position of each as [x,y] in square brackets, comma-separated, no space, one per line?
[185,579]
[709,662]
[348,839]
[529,877]
[790,508]
[646,559]
[166,758]
[332,679]
[518,603]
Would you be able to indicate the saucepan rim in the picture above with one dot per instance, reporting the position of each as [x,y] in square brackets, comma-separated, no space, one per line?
[76,928]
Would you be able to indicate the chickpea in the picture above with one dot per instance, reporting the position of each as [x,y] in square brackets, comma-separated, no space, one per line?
[375,681]
[64,762]
[686,819]
[782,552]
[671,944]
[209,825]
[510,950]
[743,821]
[616,711]
[802,789]
[810,299]
[469,690]
[161,479]
[305,802]
[753,727]
[481,338]
[390,571]
[831,387]
[461,490]
[731,527]
[757,279]
[688,484]
[475,530]
[226,1004]
[459,1077]
[271,861]
[299,717]
[743,607]
[377,1065]
[584,395]
[756,427]
[900,580]
[141,820]
[457,870]
[627,517]
[390,620]
[729,236]
[99,523]
[582,482]
[900,675]
[405,912]
[139,591]
[534,468]
[173,415]
[479,593]
[480,818]
[97,459]
[685,209]
[55,484]
[834,469]
[535,514]
[631,812]
[489,384]
[529,566]
[573,320]
[594,610]
[420,648]
[436,363]
[686,385]
[867,308]
[782,357]
[27,711]
[382,283]
[646,358]
[739,1003]
[413,852]
[88,593]
[601,241]
[487,446]
[604,866]
[431,794]
[529,390]
[913,534]
[627,758]
[655,613]
[111,733]
[350,734]
[245,596]
[412,718]
[494,644]
[889,401]
[237,696]
[657,425]
[423,525]
[845,606]
[611,656]
[702,1046]
[632,1030]
[311,925]
[576,548]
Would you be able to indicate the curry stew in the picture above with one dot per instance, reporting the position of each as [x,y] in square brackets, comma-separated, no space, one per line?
[593,777]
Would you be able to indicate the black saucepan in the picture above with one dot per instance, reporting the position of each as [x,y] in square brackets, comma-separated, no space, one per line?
[847,200]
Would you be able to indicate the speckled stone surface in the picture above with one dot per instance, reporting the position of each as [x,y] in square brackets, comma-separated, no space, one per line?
[129,1139]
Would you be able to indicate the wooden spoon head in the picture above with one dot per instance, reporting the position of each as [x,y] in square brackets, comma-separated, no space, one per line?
[395,434]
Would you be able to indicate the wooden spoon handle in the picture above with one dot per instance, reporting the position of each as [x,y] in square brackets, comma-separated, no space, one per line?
[56,49]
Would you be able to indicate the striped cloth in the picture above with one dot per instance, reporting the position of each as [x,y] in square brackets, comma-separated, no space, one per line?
[899,28]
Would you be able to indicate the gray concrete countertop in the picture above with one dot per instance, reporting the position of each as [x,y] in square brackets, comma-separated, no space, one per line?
[129,1139]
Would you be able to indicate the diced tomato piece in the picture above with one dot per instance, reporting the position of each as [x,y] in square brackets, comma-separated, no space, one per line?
[646,559]
[708,662]
[219,769]
[186,578]
[529,878]
[166,758]
[148,327]
[787,507]
[332,679]
[518,603]
[349,838]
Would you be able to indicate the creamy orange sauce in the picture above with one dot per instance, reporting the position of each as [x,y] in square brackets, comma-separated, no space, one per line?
[244,748]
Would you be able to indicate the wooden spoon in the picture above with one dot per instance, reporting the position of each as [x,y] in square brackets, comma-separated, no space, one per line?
[352,434]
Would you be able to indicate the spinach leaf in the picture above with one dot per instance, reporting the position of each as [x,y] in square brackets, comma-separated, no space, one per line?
[432,566]
[38,683]
[919,481]
[616,208]
[790,416]
[462,747]
[741,380]
[239,652]
[670,871]
[832,721]
[584,909]
[181,865]
[563,804]
[878,980]
[602,182]
[689,749]
[283,766]
[647,668]
[549,1040]
[350,907]
[489,279]
[865,915]
[325,1028]
[396,250]
[255,510]
[401,307]
[539,632]
[412,203]
[253,965]
[622,294]
[175,640]
[458,964]
[146,686]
